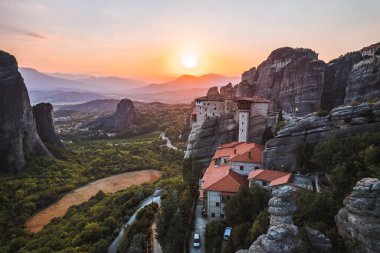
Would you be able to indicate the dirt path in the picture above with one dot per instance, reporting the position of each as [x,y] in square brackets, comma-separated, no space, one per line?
[110,184]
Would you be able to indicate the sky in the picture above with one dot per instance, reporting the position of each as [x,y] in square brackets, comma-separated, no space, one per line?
[157,40]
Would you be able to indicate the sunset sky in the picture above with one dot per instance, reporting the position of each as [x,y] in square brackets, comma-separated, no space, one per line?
[157,40]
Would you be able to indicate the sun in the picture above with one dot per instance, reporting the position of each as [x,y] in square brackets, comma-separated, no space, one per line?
[189,61]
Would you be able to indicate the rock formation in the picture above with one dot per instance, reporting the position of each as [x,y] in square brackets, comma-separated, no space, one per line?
[121,120]
[293,78]
[341,122]
[352,77]
[319,243]
[290,78]
[43,114]
[359,220]
[204,140]
[18,134]
[282,236]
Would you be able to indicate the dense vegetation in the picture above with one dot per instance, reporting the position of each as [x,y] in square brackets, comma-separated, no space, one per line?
[345,161]
[246,213]
[91,226]
[44,180]
[137,235]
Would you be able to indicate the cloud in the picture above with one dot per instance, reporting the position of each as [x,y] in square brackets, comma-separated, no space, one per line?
[22,32]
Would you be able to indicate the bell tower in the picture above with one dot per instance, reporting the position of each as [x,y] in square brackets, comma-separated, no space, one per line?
[244,108]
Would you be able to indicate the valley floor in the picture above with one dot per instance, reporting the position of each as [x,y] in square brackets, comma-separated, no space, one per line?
[108,185]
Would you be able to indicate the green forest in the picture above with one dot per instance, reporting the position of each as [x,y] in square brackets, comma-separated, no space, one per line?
[45,180]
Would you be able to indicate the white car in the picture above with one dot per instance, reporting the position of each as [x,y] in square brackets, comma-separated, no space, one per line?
[196,241]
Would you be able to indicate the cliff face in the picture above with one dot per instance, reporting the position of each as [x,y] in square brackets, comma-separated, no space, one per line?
[121,120]
[352,77]
[290,78]
[359,219]
[204,140]
[43,114]
[341,122]
[18,134]
[296,78]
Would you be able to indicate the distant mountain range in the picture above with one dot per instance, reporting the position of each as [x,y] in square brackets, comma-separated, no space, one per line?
[41,81]
[60,88]
[188,82]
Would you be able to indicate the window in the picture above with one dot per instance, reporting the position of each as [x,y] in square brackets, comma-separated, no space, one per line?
[222,215]
[265,183]
[241,167]
[212,214]
[217,204]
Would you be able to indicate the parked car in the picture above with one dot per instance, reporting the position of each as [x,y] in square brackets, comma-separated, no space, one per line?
[196,241]
[227,233]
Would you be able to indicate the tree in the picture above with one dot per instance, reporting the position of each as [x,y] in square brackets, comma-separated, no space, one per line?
[246,204]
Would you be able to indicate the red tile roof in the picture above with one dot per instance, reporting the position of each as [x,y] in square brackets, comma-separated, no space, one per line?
[273,177]
[231,182]
[214,174]
[239,152]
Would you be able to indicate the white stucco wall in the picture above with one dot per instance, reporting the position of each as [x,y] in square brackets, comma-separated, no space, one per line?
[208,109]
[247,167]
[214,197]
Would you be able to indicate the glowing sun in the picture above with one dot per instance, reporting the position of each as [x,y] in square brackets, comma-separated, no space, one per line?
[189,61]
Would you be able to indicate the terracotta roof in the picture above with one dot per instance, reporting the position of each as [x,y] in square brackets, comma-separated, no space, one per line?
[214,174]
[254,99]
[229,183]
[274,177]
[239,152]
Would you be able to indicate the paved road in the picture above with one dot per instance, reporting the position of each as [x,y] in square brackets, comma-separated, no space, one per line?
[156,197]
[200,228]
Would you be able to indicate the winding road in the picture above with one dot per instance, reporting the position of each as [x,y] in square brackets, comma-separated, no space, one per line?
[108,185]
[156,197]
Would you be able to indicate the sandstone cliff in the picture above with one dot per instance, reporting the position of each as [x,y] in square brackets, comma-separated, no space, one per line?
[122,119]
[18,134]
[359,220]
[341,122]
[43,114]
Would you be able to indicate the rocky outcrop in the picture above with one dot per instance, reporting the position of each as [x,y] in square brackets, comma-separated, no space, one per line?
[43,114]
[341,122]
[121,120]
[290,78]
[352,77]
[359,220]
[205,139]
[319,242]
[282,236]
[18,134]
[294,78]
[213,91]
